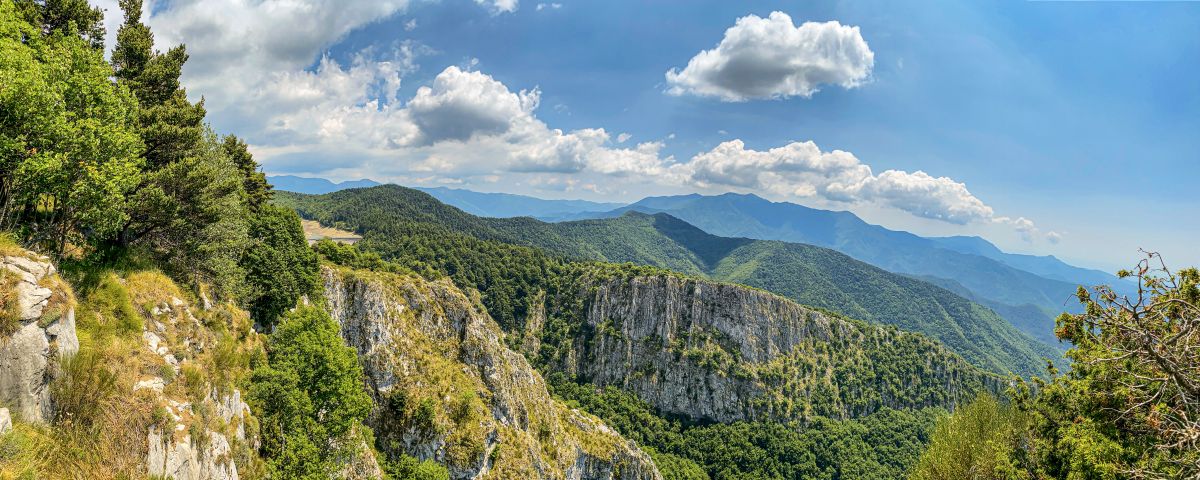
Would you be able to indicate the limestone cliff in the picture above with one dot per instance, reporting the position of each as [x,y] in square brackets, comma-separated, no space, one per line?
[723,352]
[447,388]
[39,318]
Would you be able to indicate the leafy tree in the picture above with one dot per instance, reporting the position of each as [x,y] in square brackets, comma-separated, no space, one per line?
[74,18]
[1128,408]
[309,398]
[254,183]
[191,215]
[280,268]
[409,468]
[68,149]
[977,442]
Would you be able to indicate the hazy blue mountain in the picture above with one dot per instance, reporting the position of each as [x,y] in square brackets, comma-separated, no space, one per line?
[505,205]
[1047,266]
[315,186]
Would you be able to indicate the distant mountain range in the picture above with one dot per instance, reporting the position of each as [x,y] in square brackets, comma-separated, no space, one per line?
[315,186]
[1027,290]
[504,205]
[499,205]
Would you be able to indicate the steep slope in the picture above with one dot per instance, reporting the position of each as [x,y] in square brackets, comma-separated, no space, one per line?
[819,277]
[37,330]
[403,223]
[721,352]
[145,385]
[448,389]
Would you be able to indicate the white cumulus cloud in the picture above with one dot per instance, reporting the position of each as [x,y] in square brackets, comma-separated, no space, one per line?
[801,169]
[761,58]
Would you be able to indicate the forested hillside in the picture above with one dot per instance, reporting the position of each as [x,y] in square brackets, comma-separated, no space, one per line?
[810,275]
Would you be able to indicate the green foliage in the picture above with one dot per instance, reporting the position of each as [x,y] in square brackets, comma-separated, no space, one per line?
[1127,407]
[978,441]
[280,268]
[409,468]
[74,18]
[191,216]
[879,446]
[68,146]
[674,467]
[254,181]
[309,398]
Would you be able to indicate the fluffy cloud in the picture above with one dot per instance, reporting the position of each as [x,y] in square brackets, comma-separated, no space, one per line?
[461,104]
[464,123]
[254,64]
[801,169]
[771,57]
[499,6]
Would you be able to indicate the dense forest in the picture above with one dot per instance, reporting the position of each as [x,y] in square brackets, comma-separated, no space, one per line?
[111,172]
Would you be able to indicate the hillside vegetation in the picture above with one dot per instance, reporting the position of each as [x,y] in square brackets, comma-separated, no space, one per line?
[392,219]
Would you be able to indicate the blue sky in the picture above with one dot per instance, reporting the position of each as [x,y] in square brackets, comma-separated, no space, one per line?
[1066,128]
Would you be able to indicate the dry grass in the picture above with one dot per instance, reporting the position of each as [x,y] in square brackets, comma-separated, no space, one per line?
[9,245]
[313,228]
[100,427]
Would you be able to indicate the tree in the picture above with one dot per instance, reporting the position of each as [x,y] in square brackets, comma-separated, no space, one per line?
[280,268]
[258,191]
[191,215]
[1137,366]
[68,147]
[1128,408]
[74,18]
[310,397]
[976,443]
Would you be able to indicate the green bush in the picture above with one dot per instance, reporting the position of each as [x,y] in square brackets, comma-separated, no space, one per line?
[280,268]
[409,468]
[310,396]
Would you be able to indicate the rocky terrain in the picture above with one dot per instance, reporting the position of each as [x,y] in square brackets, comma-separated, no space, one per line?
[39,314]
[721,352]
[181,422]
[447,388]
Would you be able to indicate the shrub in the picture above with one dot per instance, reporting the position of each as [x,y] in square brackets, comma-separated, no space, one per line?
[280,268]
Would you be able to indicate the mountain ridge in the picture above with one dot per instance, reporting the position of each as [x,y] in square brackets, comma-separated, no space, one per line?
[695,252]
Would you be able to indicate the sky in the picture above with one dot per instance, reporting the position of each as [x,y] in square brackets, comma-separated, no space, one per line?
[1068,128]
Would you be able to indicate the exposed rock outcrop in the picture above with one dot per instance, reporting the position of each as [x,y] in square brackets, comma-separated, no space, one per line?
[447,388]
[180,458]
[39,309]
[191,441]
[5,421]
[724,352]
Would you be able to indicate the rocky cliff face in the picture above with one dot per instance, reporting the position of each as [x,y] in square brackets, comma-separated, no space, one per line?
[447,388]
[38,330]
[200,424]
[723,352]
